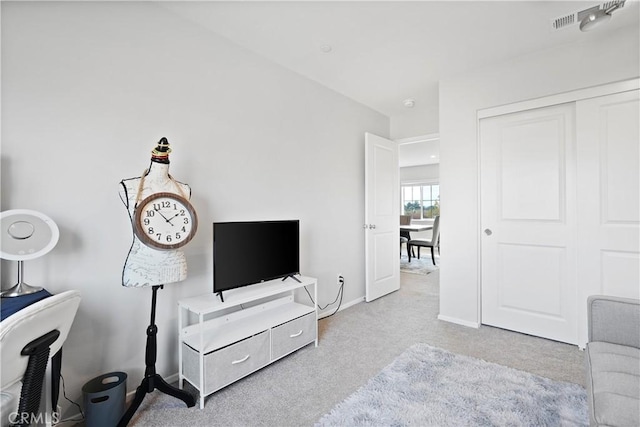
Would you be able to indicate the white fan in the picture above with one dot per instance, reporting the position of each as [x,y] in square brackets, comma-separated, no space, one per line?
[25,235]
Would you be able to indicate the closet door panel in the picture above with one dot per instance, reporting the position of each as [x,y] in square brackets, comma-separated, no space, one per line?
[608,191]
[528,222]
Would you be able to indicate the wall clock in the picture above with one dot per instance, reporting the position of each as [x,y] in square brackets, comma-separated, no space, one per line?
[165,221]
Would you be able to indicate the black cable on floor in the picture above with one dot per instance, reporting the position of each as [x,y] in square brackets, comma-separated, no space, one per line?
[340,294]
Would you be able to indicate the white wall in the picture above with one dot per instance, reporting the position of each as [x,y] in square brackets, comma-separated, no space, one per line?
[603,56]
[88,89]
[414,122]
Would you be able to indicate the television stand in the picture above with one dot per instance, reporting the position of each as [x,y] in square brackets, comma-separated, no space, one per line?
[254,326]
[221,296]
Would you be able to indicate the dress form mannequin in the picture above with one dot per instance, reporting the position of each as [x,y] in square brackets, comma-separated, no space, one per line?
[146,266]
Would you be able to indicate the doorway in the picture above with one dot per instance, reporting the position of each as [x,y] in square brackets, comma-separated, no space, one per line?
[419,165]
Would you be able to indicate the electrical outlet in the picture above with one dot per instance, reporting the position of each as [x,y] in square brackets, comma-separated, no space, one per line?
[340,279]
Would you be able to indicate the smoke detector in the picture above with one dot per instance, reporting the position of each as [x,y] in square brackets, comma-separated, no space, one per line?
[574,18]
[409,102]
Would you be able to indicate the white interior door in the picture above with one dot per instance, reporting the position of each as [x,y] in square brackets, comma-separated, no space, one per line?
[528,222]
[382,217]
[608,198]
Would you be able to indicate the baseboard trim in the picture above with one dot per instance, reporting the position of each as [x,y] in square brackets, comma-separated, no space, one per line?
[466,323]
[344,306]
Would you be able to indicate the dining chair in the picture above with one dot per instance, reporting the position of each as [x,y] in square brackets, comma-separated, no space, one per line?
[405,241]
[405,236]
[428,243]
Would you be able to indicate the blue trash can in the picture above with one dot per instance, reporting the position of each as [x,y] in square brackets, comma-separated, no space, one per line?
[104,399]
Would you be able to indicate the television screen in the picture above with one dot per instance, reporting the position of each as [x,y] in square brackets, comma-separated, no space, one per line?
[245,253]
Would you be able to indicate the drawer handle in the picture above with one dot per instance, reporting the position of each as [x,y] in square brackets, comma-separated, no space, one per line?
[244,359]
[296,335]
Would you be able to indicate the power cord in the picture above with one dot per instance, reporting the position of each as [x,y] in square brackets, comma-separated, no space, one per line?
[64,394]
[340,294]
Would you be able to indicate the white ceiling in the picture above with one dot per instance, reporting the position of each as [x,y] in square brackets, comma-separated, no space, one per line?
[383,52]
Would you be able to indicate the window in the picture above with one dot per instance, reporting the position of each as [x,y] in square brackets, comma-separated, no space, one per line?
[421,201]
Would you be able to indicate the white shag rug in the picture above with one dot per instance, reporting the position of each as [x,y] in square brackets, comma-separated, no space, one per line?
[428,386]
[422,266]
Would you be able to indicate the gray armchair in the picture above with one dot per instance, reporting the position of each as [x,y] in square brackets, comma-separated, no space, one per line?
[613,361]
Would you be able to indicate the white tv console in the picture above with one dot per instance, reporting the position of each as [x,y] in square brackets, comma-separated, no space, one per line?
[221,342]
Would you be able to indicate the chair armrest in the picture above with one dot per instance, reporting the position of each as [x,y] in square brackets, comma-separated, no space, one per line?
[614,320]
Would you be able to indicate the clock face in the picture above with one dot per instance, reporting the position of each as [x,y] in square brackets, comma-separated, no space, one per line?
[165,221]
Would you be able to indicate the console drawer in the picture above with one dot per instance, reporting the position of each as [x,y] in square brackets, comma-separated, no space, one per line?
[292,335]
[229,364]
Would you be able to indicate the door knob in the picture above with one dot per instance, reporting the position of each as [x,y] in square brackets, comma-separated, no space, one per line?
[371,226]
[488,231]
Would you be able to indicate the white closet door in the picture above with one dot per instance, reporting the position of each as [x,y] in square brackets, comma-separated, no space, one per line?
[608,198]
[528,220]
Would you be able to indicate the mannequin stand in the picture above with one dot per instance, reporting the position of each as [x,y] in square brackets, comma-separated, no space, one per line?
[152,380]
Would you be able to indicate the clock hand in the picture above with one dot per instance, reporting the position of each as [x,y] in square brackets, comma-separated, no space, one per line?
[174,216]
[165,218]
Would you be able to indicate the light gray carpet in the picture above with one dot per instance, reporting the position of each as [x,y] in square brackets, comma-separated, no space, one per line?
[428,386]
[355,345]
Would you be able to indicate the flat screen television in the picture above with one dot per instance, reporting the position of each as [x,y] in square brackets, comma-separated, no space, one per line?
[250,252]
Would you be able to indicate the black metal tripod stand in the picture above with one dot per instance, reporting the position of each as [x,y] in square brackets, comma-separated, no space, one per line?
[152,380]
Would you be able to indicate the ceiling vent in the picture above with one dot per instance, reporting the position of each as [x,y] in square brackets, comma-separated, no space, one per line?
[570,19]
